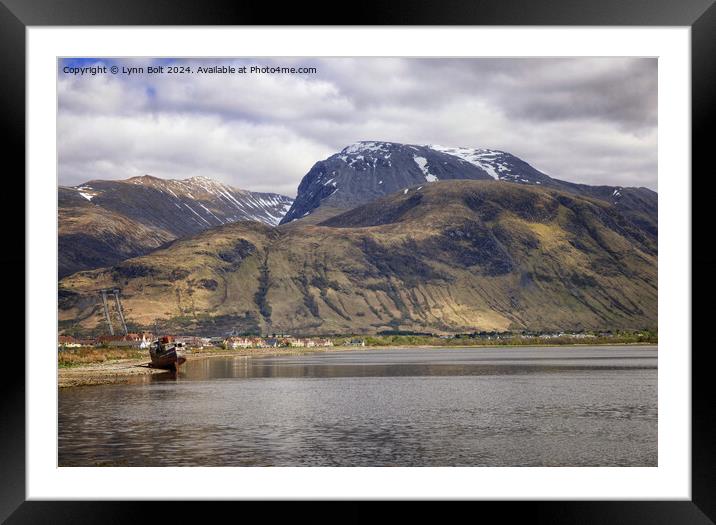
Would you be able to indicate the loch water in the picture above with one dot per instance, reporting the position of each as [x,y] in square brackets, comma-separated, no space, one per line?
[519,406]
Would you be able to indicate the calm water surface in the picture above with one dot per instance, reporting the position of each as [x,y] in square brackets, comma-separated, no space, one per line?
[583,406]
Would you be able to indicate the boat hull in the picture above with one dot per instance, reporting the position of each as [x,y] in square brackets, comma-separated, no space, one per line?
[170,360]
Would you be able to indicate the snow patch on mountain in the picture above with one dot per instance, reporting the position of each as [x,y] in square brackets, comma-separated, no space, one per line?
[422,163]
[363,155]
[486,159]
[86,192]
[364,146]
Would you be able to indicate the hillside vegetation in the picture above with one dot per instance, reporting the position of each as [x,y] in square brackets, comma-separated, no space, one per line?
[452,256]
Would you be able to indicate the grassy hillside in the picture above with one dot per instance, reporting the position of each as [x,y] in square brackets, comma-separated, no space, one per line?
[454,256]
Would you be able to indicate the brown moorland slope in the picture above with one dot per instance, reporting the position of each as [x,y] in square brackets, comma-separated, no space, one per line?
[452,256]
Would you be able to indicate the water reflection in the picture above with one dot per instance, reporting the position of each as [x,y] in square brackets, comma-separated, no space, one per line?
[394,363]
[472,407]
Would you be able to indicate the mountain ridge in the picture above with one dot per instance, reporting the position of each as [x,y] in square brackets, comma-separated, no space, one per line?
[102,222]
[367,170]
[447,257]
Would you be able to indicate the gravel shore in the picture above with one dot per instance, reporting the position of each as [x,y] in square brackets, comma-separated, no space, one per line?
[125,370]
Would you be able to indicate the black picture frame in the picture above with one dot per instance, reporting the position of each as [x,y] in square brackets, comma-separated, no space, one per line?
[699,15]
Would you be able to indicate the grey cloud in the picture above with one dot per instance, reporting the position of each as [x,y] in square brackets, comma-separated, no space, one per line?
[590,120]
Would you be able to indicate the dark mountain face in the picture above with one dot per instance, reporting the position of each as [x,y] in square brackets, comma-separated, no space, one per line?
[640,205]
[90,236]
[450,256]
[104,222]
[367,170]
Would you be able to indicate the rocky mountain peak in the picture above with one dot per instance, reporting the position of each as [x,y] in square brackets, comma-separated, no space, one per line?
[98,216]
[367,170]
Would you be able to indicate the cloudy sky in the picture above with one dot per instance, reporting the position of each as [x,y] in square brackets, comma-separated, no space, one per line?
[583,120]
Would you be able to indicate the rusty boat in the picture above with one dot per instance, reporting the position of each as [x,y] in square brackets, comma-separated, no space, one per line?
[166,353]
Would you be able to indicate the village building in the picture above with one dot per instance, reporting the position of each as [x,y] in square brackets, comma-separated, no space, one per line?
[318,342]
[195,342]
[234,342]
[67,341]
[218,342]
[131,340]
[146,341]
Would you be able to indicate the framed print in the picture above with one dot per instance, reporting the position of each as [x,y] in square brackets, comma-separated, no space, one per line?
[290,257]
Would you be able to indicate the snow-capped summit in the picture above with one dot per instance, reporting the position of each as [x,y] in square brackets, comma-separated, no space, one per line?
[489,160]
[500,165]
[185,205]
[365,170]
[366,146]
[126,218]
[163,209]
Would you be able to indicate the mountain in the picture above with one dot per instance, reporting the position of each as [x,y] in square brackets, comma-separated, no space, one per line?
[449,256]
[367,170]
[103,222]
[90,236]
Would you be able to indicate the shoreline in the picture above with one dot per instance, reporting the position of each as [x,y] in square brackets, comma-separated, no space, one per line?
[123,370]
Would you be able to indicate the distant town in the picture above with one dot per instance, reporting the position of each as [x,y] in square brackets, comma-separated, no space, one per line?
[143,340]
